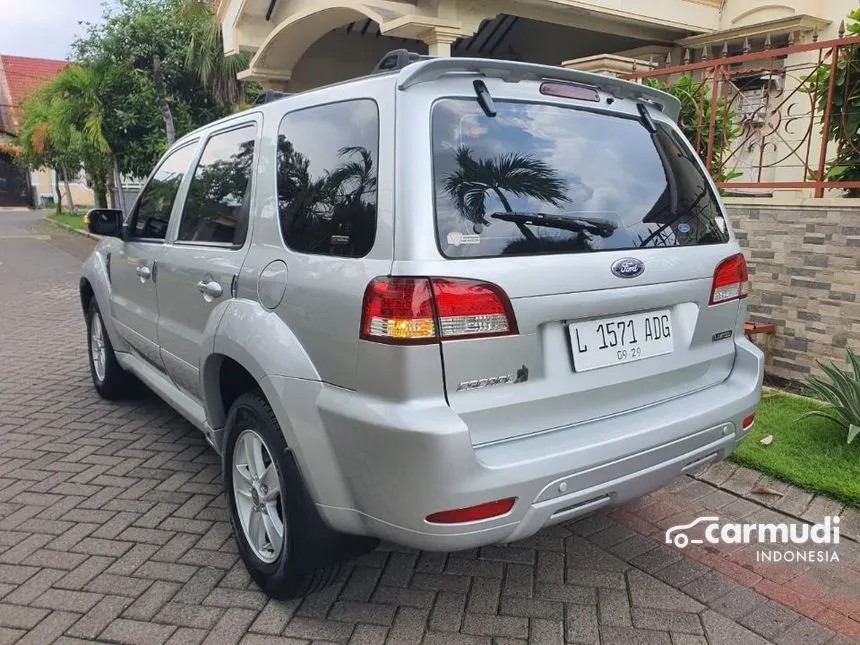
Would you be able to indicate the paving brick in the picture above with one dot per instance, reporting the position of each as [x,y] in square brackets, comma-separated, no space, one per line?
[197,616]
[720,630]
[231,627]
[488,625]
[447,613]
[409,625]
[135,632]
[315,629]
[187,636]
[363,612]
[532,608]
[484,596]
[64,600]
[96,619]
[16,616]
[631,636]
[403,597]
[369,635]
[546,632]
[432,638]
[613,607]
[804,632]
[661,620]
[49,628]
[646,591]
[769,619]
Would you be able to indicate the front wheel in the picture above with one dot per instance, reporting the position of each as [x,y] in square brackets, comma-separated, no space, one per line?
[284,544]
[110,380]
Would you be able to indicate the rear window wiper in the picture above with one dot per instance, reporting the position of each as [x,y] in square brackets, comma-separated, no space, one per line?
[594,225]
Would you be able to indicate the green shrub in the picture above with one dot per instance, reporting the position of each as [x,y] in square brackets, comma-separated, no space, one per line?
[841,393]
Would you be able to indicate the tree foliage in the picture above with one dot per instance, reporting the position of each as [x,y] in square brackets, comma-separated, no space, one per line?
[844,127]
[126,43]
[695,121]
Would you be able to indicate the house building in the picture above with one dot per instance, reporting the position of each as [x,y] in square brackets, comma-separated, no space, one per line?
[19,77]
[301,44]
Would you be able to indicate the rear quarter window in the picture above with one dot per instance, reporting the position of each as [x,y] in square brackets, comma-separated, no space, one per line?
[328,159]
[541,178]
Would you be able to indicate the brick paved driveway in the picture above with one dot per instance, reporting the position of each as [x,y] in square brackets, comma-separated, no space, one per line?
[113,528]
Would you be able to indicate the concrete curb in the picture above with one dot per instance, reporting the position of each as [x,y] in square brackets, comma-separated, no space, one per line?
[92,236]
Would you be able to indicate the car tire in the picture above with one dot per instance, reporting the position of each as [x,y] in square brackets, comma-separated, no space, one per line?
[110,380]
[260,472]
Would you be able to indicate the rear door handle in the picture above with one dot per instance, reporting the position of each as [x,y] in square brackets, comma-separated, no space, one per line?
[210,289]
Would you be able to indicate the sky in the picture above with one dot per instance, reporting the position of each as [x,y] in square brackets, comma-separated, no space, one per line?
[44,28]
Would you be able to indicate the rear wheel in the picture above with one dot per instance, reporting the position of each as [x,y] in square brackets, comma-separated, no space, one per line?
[110,380]
[284,544]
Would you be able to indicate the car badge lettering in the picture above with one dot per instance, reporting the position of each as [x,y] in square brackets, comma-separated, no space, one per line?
[520,376]
[628,268]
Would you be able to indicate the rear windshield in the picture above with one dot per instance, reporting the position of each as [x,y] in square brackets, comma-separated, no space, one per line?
[548,179]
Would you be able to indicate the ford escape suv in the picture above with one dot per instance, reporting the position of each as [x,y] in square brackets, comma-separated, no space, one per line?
[445,305]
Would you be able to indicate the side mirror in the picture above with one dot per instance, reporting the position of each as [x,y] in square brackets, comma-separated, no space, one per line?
[104,221]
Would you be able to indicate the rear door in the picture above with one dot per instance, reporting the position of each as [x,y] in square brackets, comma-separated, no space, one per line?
[604,234]
[134,267]
[198,269]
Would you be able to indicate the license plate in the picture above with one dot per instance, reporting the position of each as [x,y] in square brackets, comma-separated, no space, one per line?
[621,339]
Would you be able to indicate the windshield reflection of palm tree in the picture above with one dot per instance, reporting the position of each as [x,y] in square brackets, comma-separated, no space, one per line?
[519,174]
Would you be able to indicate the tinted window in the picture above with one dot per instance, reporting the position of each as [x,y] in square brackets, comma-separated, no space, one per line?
[219,197]
[156,200]
[550,179]
[327,173]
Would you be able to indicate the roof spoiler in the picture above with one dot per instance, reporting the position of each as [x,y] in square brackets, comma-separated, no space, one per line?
[513,71]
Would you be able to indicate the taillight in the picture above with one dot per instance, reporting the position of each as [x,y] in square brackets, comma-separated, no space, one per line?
[421,310]
[731,280]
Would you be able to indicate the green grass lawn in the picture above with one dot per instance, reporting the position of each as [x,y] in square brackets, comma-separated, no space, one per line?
[811,453]
[69,219]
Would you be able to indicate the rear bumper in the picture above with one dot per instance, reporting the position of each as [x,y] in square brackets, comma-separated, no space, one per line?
[389,465]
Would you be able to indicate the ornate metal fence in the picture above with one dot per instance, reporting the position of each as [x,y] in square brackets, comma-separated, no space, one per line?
[774,119]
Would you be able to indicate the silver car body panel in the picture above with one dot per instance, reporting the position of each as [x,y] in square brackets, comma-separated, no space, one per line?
[381,433]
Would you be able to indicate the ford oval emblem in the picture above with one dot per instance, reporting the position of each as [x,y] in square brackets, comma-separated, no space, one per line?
[628,267]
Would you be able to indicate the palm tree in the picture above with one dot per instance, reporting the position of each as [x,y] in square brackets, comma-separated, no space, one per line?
[205,55]
[519,174]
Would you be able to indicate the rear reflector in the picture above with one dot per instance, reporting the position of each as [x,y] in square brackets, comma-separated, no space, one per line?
[748,421]
[731,280]
[421,310]
[473,513]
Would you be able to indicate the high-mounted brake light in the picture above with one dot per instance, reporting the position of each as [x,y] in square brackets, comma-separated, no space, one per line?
[731,280]
[569,91]
[422,310]
[473,513]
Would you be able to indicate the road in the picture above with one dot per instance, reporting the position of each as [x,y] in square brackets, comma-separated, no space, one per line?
[114,529]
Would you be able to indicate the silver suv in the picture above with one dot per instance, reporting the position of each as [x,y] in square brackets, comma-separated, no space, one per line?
[445,305]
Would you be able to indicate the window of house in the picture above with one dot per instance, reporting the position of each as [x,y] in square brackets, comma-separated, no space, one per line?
[219,198]
[152,213]
[327,178]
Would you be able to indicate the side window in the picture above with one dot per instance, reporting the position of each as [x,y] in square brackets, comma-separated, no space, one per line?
[219,198]
[327,175]
[152,214]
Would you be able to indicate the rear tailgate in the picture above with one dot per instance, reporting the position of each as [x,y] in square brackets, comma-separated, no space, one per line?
[544,379]
[603,231]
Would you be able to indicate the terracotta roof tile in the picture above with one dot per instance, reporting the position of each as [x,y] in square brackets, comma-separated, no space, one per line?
[19,77]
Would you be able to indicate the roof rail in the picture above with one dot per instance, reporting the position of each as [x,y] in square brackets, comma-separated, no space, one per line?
[271,95]
[424,71]
[397,59]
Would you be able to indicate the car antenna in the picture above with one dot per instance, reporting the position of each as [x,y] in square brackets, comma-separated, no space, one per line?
[485,99]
